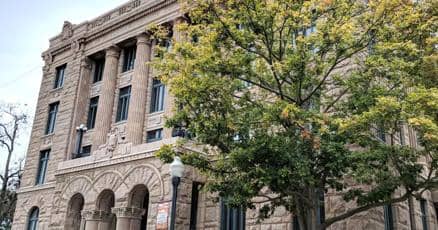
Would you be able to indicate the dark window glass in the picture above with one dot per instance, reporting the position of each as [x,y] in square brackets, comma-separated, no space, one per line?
[98,70]
[196,186]
[232,218]
[59,79]
[42,167]
[423,207]
[129,58]
[92,111]
[389,217]
[51,120]
[154,135]
[381,132]
[295,223]
[402,135]
[157,103]
[86,150]
[123,106]
[32,223]
[321,210]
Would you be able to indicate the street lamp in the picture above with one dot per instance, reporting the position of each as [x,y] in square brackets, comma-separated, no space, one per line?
[176,171]
[80,130]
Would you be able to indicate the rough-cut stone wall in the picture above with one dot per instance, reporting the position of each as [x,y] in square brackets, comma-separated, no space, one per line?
[116,164]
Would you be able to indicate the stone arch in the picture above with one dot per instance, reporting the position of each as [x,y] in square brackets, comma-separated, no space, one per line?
[74,209]
[105,201]
[108,180]
[139,198]
[33,217]
[79,184]
[149,176]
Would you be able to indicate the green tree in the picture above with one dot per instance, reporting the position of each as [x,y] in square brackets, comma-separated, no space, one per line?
[13,121]
[301,97]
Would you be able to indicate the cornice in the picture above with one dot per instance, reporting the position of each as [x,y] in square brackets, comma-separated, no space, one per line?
[106,23]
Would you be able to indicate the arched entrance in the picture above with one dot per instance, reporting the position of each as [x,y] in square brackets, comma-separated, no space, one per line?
[75,207]
[139,198]
[105,202]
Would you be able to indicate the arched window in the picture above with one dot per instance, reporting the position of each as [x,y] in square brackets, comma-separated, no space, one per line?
[139,198]
[33,219]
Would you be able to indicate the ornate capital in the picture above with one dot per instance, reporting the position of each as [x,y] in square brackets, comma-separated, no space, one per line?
[112,51]
[135,213]
[86,63]
[143,38]
[97,215]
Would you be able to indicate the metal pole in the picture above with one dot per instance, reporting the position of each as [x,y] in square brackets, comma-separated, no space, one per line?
[175,183]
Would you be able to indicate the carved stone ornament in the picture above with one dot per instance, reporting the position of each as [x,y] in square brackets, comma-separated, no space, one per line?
[128,212]
[67,30]
[97,215]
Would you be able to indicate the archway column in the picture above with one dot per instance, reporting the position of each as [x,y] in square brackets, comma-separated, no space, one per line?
[97,220]
[128,218]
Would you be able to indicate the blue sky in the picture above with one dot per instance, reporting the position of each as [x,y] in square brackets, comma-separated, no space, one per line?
[26,27]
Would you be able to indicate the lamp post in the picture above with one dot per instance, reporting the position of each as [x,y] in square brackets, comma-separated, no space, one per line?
[80,130]
[176,171]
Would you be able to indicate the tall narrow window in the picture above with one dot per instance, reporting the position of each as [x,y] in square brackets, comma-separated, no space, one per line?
[321,209]
[381,132]
[59,78]
[232,218]
[123,106]
[42,167]
[389,217]
[129,58]
[196,186]
[295,223]
[154,135]
[92,111]
[98,70]
[51,120]
[423,207]
[157,103]
[32,223]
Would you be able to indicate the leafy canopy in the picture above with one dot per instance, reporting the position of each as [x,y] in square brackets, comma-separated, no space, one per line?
[289,99]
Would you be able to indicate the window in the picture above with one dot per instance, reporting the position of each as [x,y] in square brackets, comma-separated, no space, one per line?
[32,223]
[42,167]
[86,150]
[389,218]
[231,218]
[295,223]
[402,135]
[381,132]
[129,58]
[123,106]
[320,215]
[196,186]
[92,111]
[98,70]
[51,120]
[154,135]
[157,103]
[423,207]
[59,79]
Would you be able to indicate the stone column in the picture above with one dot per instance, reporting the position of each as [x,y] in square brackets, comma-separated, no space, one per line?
[106,98]
[97,220]
[128,218]
[170,99]
[139,86]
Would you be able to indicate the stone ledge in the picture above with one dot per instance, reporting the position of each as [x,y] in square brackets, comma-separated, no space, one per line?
[36,188]
[94,161]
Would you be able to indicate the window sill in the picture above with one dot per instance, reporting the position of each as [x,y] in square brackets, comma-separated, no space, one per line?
[48,135]
[126,72]
[156,113]
[121,122]
[56,89]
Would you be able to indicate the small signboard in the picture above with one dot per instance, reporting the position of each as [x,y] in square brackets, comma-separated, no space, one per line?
[163,216]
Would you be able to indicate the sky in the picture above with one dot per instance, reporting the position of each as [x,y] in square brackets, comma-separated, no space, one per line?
[25,29]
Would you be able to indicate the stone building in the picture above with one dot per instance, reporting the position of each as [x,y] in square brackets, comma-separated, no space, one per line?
[96,74]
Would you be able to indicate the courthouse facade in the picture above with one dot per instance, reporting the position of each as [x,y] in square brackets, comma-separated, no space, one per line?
[96,74]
